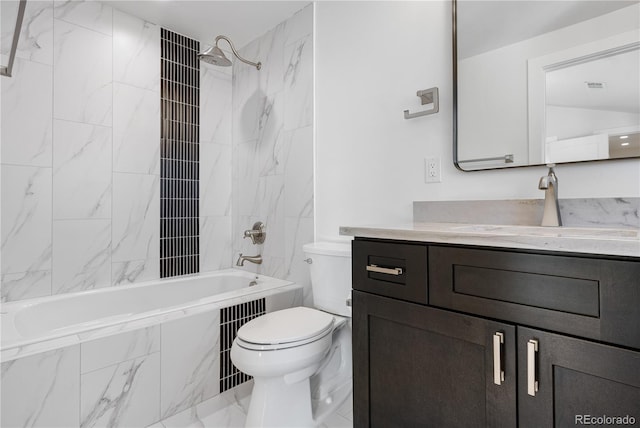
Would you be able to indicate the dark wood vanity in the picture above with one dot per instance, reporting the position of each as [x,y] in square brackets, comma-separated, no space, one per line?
[467,336]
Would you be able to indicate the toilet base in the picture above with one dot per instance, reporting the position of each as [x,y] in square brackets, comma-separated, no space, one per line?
[274,403]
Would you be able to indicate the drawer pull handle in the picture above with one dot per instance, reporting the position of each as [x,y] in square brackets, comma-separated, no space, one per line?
[388,271]
[498,369]
[532,383]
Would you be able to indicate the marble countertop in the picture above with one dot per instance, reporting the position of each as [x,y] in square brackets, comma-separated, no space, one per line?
[617,242]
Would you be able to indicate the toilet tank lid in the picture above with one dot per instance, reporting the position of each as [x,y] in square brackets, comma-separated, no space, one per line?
[341,249]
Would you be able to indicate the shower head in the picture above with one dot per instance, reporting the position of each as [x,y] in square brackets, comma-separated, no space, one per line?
[215,56]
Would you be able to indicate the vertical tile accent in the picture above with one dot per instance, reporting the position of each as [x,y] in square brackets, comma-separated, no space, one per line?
[231,319]
[179,155]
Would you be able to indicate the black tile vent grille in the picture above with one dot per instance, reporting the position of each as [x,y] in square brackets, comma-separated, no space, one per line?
[231,319]
[179,155]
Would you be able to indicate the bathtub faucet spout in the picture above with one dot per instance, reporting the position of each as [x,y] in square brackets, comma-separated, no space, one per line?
[253,259]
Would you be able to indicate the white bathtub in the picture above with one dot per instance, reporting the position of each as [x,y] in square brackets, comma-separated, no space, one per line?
[45,323]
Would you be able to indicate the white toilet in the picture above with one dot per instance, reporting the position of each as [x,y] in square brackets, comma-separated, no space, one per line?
[300,358]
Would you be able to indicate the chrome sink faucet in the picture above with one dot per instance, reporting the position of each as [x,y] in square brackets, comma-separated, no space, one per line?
[549,183]
[253,259]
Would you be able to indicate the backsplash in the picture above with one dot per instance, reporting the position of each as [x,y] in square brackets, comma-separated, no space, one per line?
[597,212]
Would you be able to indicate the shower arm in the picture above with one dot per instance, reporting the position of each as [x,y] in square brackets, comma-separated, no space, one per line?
[233,49]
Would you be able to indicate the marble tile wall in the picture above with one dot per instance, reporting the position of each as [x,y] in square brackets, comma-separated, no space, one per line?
[84,102]
[215,167]
[272,150]
[80,151]
[132,379]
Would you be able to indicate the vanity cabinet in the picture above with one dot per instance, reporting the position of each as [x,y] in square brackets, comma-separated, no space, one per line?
[452,336]
[574,378]
[420,366]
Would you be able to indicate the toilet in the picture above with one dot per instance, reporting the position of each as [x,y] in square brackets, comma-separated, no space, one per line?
[300,358]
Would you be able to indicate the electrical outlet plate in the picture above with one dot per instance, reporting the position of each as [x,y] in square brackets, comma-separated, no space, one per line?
[432,170]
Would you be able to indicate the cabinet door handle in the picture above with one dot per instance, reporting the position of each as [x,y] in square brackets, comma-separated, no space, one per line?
[532,382]
[498,369]
[388,271]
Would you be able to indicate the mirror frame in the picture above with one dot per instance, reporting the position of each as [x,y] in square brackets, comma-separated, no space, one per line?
[454,38]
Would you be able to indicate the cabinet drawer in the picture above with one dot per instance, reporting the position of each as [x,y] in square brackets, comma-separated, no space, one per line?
[588,297]
[391,269]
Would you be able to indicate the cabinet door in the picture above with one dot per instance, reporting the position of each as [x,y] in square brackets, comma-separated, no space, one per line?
[576,380]
[416,366]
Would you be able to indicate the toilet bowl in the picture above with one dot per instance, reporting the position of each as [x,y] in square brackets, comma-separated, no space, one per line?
[300,358]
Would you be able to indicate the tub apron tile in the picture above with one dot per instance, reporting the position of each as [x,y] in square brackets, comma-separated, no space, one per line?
[190,361]
[42,390]
[101,353]
[127,394]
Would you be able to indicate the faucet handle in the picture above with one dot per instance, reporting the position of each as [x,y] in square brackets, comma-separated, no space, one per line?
[544,182]
[256,233]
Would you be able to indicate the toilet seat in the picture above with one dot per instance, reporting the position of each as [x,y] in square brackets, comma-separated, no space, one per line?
[284,329]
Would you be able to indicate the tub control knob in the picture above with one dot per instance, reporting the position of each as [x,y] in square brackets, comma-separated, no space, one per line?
[256,233]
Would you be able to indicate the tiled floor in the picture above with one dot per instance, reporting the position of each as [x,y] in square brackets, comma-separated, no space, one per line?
[228,410]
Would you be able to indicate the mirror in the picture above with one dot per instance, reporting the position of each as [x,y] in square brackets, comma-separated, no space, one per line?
[545,82]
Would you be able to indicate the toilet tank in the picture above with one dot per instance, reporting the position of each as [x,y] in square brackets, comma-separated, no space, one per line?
[330,275]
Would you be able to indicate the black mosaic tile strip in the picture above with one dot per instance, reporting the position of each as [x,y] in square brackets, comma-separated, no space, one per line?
[179,155]
[231,319]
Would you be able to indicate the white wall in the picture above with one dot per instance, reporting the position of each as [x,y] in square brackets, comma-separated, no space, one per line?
[370,59]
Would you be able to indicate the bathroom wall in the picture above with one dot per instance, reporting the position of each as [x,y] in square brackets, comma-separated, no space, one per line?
[80,153]
[273,147]
[371,58]
[80,141]
[215,167]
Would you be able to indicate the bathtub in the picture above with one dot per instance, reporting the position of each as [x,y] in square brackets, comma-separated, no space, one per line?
[41,324]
